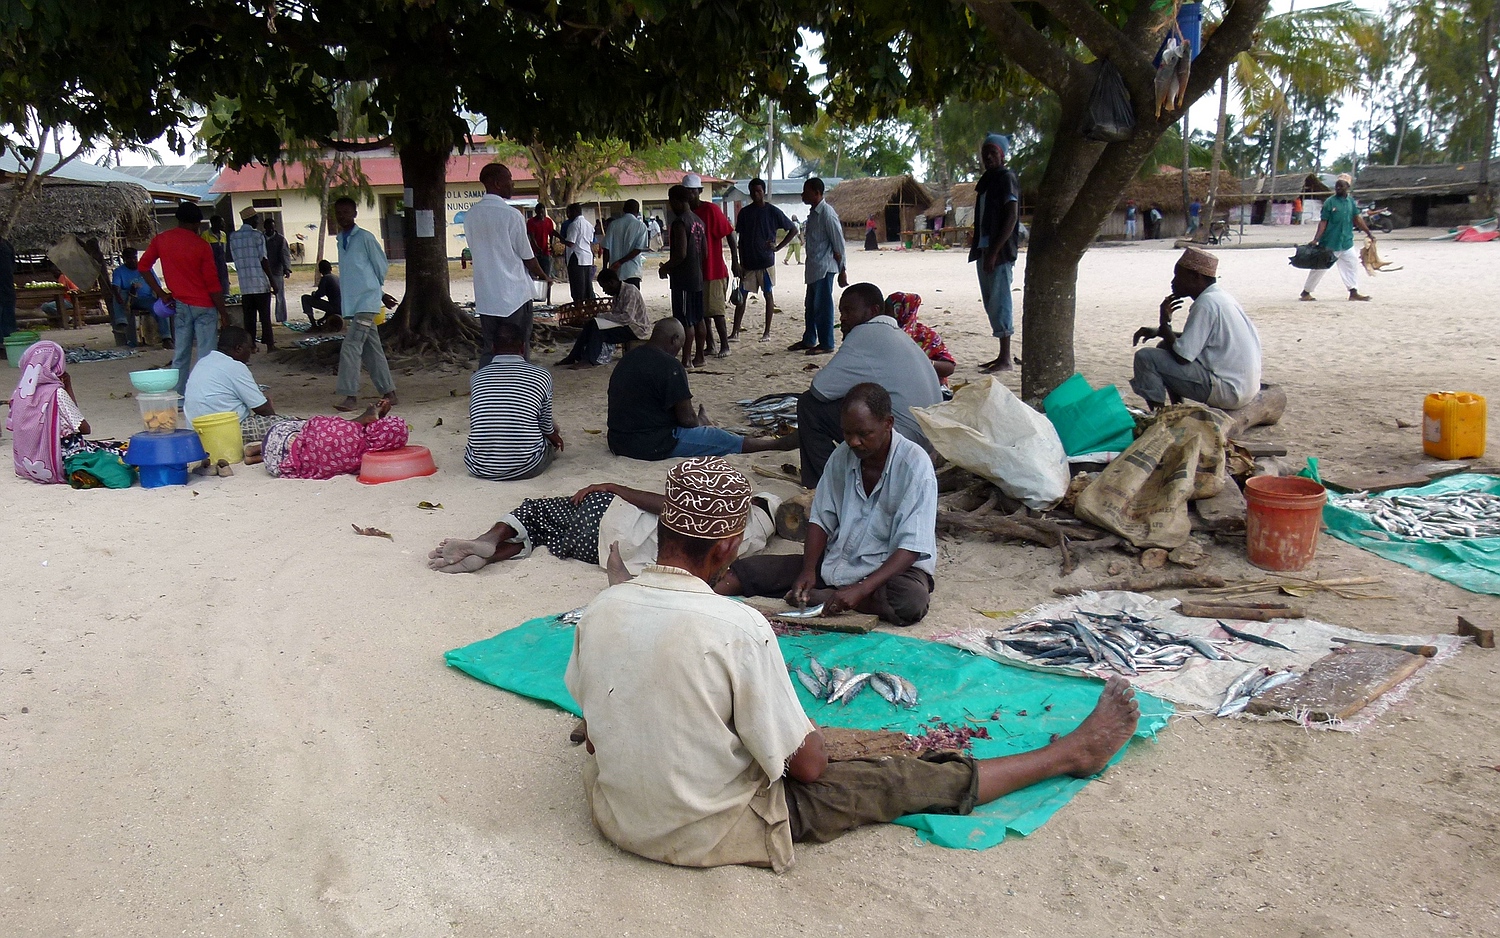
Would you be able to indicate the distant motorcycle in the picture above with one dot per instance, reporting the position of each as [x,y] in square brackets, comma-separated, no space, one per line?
[1381,218]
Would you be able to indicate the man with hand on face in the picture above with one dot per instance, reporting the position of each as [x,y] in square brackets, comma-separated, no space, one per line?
[871,533]
[1215,359]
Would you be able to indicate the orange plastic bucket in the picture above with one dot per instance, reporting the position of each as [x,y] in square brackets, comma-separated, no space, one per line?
[1282,522]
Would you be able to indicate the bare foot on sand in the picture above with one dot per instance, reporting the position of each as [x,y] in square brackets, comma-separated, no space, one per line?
[459,556]
[1103,732]
[615,566]
[346,405]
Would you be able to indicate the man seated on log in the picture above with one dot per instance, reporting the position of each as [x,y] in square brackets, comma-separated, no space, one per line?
[871,532]
[875,349]
[651,413]
[1215,359]
[606,524]
[699,752]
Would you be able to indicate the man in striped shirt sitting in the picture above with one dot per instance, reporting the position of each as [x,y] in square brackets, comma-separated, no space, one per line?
[511,432]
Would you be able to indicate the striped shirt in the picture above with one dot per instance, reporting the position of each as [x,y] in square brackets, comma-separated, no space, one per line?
[510,415]
[248,248]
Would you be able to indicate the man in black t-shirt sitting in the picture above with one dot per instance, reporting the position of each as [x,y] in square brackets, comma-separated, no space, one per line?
[651,413]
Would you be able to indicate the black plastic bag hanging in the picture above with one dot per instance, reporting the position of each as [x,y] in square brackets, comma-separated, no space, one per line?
[1313,257]
[1110,118]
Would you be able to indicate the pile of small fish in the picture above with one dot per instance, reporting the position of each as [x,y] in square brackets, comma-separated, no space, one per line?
[1247,685]
[841,685]
[1121,641]
[1445,517]
[772,410]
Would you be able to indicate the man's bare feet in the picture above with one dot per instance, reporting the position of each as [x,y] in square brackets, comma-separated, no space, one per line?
[346,405]
[615,566]
[699,361]
[454,555]
[388,401]
[1101,734]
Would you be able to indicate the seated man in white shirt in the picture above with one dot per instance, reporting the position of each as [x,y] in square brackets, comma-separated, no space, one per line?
[871,533]
[607,524]
[1215,359]
[699,751]
[221,382]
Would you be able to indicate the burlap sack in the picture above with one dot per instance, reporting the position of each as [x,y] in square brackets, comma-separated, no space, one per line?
[1143,495]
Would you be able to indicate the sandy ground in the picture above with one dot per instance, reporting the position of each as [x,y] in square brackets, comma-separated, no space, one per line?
[222,713]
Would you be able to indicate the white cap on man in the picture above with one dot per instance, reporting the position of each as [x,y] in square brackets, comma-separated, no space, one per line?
[692,181]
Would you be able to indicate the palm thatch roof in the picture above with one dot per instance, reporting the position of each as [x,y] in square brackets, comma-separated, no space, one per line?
[111,212]
[959,197]
[1289,185]
[1165,189]
[1385,182]
[857,199]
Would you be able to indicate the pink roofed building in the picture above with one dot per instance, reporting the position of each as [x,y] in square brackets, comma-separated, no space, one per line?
[277,191]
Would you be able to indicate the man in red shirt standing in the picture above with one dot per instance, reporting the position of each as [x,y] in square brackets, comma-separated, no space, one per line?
[196,293]
[541,230]
[715,275]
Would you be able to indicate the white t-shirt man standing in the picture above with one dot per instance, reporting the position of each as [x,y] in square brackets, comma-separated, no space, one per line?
[504,265]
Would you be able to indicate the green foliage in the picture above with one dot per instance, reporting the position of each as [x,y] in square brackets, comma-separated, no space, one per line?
[1434,79]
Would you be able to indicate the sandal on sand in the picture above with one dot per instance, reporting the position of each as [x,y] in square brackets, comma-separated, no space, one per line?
[1358,298]
[1307,297]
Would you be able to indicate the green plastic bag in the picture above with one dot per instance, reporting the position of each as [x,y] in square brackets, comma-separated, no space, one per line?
[1089,420]
[103,466]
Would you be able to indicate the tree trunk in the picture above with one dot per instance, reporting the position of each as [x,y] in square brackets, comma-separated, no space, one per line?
[939,157]
[427,319]
[1400,136]
[1275,162]
[1213,174]
[1187,189]
[1491,93]
[323,203]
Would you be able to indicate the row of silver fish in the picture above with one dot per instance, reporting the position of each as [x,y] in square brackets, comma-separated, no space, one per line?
[1122,642]
[1445,517]
[841,685]
[770,410]
[1250,684]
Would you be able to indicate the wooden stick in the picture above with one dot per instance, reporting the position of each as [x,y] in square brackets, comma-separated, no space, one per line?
[1069,563]
[1255,612]
[1147,582]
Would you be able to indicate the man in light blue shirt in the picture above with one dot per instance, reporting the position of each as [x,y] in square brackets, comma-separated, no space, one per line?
[362,268]
[624,243]
[221,383]
[871,534]
[824,236]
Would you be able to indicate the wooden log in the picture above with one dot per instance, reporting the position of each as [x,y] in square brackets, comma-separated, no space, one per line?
[1254,612]
[1264,409]
[791,517]
[998,525]
[1147,582]
[1339,684]
[1224,512]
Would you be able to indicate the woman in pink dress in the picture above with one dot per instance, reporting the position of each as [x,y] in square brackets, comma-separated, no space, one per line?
[44,418]
[324,447]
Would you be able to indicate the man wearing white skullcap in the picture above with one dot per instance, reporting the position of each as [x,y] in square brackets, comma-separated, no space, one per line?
[1335,232]
[1215,359]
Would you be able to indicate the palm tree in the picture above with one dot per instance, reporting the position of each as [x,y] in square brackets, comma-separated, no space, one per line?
[1313,54]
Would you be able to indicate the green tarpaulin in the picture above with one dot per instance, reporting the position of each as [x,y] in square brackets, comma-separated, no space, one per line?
[1020,709]
[1473,564]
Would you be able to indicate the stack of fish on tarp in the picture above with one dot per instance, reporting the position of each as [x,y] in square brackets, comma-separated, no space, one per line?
[1441,517]
[1210,665]
[841,685]
[774,412]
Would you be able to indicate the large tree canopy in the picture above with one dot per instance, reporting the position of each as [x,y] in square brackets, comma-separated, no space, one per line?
[548,72]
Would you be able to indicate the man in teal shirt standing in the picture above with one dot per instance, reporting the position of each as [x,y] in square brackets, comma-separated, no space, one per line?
[362,269]
[1336,233]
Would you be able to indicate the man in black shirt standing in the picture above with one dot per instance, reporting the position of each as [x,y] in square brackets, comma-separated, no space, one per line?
[651,413]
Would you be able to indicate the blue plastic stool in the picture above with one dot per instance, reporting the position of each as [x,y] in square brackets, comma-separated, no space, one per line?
[163,457]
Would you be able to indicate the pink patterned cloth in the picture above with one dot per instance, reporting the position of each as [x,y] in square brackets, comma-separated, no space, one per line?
[35,416]
[331,446]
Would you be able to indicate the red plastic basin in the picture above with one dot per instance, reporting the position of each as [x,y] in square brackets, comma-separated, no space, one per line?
[393,465]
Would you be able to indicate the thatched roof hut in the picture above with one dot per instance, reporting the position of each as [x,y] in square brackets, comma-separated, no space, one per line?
[115,213]
[1390,182]
[894,202]
[1165,189]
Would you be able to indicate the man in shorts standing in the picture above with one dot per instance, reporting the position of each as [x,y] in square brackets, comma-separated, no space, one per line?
[684,267]
[758,224]
[716,229]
